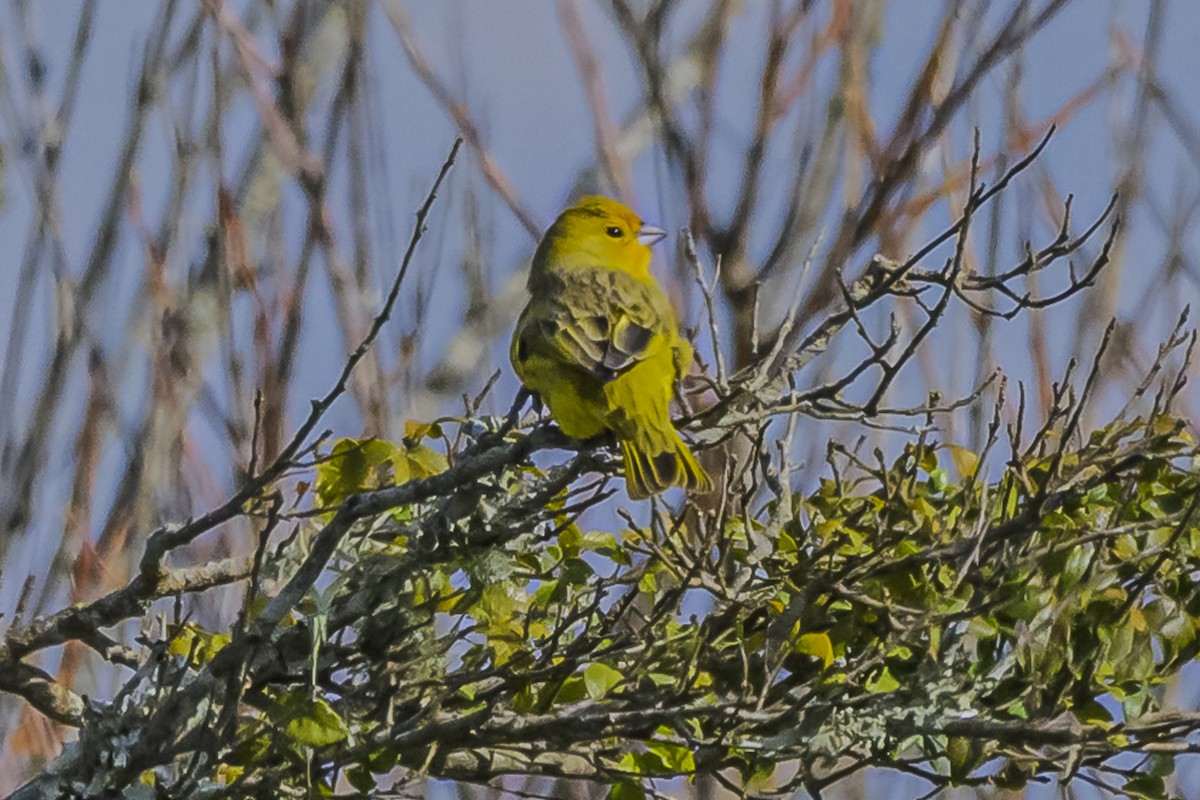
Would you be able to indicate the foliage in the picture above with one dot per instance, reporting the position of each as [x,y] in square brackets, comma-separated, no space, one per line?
[967,621]
[908,614]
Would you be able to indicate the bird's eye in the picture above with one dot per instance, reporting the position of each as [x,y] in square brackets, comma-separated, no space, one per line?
[613,231]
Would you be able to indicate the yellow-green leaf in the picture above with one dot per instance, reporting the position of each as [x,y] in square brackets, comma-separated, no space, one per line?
[817,645]
[201,645]
[309,721]
[626,790]
[600,678]
[965,461]
[425,462]
[358,464]
[883,682]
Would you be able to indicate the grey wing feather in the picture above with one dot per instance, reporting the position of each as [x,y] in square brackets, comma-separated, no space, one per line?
[596,331]
[627,344]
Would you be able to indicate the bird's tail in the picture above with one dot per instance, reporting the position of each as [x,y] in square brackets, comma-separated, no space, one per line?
[655,463]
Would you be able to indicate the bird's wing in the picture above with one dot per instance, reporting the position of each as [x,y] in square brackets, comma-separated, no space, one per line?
[603,321]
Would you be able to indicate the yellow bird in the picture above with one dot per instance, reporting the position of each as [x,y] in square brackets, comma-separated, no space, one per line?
[598,342]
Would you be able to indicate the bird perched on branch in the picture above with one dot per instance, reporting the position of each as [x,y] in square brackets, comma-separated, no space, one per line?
[598,342]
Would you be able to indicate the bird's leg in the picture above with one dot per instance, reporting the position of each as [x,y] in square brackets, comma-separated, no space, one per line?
[514,413]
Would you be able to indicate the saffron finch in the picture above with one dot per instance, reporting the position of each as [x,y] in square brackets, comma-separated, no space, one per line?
[599,344]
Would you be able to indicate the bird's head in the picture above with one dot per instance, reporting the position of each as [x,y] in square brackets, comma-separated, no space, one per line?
[598,231]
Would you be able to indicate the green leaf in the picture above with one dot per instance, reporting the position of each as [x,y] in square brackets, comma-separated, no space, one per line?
[600,678]
[1093,713]
[817,645]
[357,464]
[965,461]
[383,760]
[938,480]
[570,540]
[626,790]
[571,691]
[253,742]
[201,645]
[1162,765]
[675,758]
[425,462]
[883,682]
[415,430]
[964,755]
[1146,787]
[361,778]
[308,721]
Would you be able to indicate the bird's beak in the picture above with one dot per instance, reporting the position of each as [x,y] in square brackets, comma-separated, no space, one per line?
[649,234]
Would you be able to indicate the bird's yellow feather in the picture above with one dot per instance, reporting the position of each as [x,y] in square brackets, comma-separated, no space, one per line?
[598,342]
